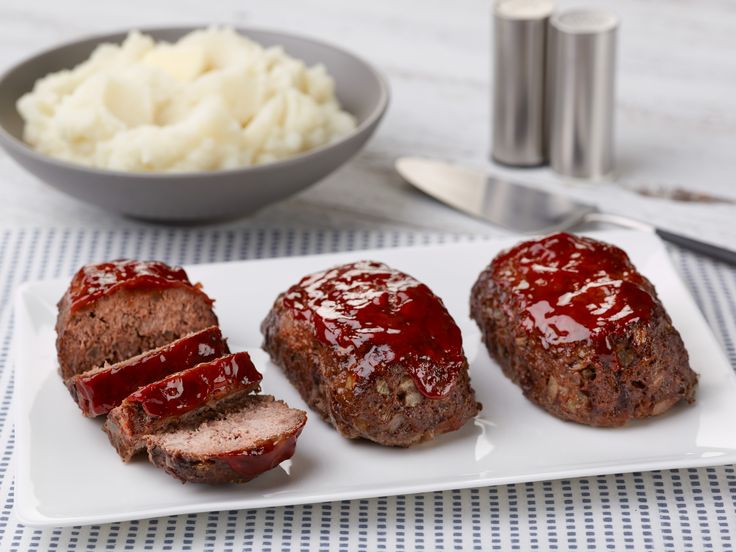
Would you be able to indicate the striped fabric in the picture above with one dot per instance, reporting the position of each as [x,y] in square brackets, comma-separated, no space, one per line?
[693,509]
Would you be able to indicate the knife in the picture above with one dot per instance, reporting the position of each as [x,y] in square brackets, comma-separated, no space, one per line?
[521,208]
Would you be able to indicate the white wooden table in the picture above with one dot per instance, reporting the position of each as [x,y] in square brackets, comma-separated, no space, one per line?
[676,119]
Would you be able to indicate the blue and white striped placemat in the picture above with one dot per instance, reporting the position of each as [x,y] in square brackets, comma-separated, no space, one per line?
[687,509]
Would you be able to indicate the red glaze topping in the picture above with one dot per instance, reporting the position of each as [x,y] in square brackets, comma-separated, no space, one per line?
[375,316]
[100,391]
[93,281]
[573,289]
[268,456]
[192,388]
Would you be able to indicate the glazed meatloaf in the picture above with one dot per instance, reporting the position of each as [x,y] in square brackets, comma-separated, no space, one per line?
[113,311]
[571,321]
[192,395]
[252,435]
[99,390]
[374,351]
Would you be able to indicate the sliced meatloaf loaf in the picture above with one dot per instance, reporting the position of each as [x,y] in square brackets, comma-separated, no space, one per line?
[185,397]
[115,310]
[254,434]
[99,390]
[374,351]
[571,321]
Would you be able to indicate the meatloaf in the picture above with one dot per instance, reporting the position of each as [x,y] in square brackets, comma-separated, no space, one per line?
[99,390]
[252,435]
[115,310]
[571,321]
[195,394]
[374,351]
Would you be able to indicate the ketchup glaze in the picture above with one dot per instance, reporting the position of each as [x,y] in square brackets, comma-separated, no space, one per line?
[573,288]
[100,391]
[375,316]
[93,281]
[191,388]
[266,457]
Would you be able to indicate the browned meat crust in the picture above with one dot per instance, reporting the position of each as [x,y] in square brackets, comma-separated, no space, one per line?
[386,407]
[643,369]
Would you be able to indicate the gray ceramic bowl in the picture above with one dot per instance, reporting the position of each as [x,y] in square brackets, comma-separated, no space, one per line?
[193,196]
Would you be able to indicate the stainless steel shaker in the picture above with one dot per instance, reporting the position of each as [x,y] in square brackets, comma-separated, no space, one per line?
[554,87]
[581,92]
[520,31]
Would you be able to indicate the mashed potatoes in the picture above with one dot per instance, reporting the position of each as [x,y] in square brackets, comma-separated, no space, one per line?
[213,100]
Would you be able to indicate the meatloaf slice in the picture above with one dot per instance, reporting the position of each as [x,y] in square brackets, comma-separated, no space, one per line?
[374,351]
[252,435]
[115,310]
[99,390]
[194,394]
[572,322]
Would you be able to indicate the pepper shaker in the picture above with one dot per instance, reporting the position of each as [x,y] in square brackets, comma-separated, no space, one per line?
[581,92]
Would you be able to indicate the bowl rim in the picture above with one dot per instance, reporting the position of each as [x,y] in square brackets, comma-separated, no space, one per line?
[373,117]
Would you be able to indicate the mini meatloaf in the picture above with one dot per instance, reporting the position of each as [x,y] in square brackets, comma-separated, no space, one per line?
[113,311]
[374,351]
[195,394]
[572,322]
[99,390]
[251,436]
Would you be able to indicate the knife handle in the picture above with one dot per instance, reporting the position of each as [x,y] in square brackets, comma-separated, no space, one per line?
[708,249]
[713,251]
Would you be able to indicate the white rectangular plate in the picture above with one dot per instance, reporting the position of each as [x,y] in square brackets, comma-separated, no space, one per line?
[67,473]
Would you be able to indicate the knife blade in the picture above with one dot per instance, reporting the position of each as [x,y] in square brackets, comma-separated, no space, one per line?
[513,205]
[522,208]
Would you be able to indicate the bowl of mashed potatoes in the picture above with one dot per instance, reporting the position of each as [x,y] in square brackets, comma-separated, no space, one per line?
[188,124]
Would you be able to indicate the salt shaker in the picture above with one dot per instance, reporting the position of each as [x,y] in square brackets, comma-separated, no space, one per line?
[519,81]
